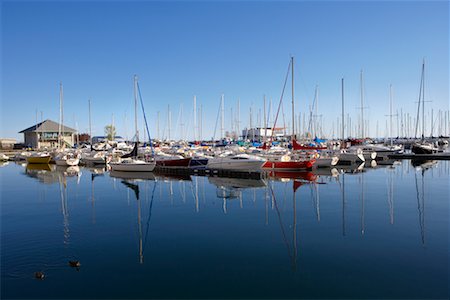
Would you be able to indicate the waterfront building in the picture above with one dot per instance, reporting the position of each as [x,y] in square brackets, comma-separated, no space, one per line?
[45,135]
[258,133]
[7,144]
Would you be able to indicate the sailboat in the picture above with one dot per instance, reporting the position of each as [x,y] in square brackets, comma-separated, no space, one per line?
[296,160]
[94,157]
[348,157]
[67,159]
[130,162]
[422,147]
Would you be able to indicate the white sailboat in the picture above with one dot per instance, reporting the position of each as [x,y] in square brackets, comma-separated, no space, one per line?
[67,159]
[94,156]
[130,162]
[422,147]
[347,157]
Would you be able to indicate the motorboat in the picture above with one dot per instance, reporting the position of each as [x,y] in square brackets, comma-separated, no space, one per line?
[172,161]
[424,148]
[348,158]
[239,162]
[326,159]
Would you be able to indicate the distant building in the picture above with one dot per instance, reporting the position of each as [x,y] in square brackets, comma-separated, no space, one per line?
[258,133]
[45,135]
[7,143]
[101,139]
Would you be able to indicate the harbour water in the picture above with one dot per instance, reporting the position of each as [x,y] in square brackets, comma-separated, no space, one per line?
[377,232]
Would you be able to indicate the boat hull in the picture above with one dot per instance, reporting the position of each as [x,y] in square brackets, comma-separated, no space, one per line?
[247,166]
[198,163]
[95,160]
[326,162]
[351,158]
[39,160]
[423,149]
[289,165]
[67,162]
[174,163]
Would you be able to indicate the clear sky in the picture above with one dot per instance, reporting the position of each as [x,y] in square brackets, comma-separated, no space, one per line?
[206,48]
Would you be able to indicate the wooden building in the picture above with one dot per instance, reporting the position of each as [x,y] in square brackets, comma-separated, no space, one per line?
[45,135]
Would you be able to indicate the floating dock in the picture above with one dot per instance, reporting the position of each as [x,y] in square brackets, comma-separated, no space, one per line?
[436,156]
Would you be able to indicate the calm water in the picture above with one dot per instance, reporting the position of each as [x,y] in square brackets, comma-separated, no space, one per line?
[380,233]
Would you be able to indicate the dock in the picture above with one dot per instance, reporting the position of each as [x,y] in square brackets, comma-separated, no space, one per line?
[436,156]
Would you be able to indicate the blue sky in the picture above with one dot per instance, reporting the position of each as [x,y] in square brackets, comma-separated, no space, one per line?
[206,48]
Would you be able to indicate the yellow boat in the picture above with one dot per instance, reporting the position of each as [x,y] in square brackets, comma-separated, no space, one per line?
[39,159]
[39,167]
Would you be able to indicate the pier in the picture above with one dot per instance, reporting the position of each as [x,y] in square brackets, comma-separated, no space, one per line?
[436,156]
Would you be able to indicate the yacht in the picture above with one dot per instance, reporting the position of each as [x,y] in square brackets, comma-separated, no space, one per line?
[239,162]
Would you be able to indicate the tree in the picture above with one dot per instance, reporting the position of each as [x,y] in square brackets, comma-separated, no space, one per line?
[110,132]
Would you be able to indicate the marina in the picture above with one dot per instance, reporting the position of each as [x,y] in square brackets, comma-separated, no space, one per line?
[225,150]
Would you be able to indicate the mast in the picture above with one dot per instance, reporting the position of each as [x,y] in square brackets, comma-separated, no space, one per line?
[90,125]
[362,106]
[343,120]
[293,117]
[157,124]
[60,114]
[169,121]
[35,128]
[195,118]
[222,117]
[113,134]
[432,123]
[238,117]
[316,129]
[200,121]
[423,99]
[135,110]
[390,113]
[265,120]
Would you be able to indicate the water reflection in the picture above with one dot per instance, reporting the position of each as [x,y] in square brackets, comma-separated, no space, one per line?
[64,207]
[50,174]
[132,185]
[352,168]
[422,166]
[135,189]
[134,176]
[346,211]
[231,188]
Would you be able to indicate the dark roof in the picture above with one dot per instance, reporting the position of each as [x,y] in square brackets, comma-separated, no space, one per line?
[47,126]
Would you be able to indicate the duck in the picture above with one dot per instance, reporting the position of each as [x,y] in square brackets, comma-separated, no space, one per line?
[39,275]
[74,263]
